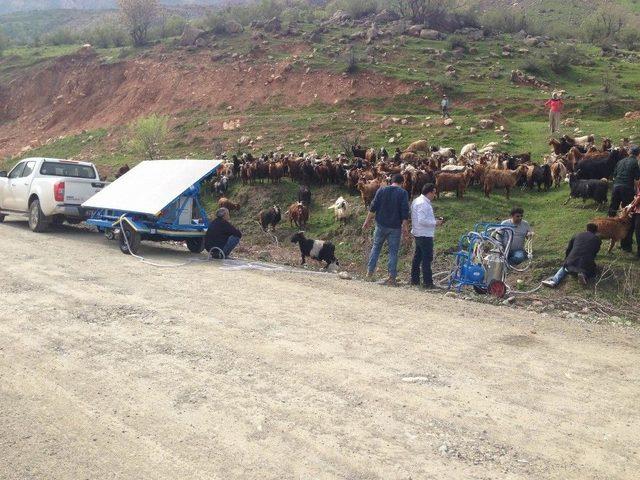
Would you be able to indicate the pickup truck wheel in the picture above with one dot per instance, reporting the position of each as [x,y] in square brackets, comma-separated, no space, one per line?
[37,221]
[195,245]
[133,238]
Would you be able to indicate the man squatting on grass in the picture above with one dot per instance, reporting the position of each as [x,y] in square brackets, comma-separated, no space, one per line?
[423,227]
[521,231]
[390,207]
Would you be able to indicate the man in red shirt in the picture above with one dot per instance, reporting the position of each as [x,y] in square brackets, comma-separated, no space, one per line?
[555,105]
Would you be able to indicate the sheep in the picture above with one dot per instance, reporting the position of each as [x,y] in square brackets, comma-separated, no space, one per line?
[452,182]
[317,249]
[269,217]
[506,179]
[224,202]
[340,210]
[468,148]
[445,152]
[418,146]
[594,189]
[304,195]
[298,213]
[615,229]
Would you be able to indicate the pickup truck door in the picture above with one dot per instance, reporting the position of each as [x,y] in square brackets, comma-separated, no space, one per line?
[22,186]
[9,185]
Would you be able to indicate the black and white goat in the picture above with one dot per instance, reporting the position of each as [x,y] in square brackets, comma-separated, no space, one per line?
[222,185]
[316,249]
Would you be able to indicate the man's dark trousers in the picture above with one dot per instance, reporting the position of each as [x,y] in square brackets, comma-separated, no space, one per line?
[422,258]
[621,196]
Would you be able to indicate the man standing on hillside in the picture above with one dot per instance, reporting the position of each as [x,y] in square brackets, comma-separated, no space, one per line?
[634,210]
[390,207]
[444,105]
[555,105]
[625,174]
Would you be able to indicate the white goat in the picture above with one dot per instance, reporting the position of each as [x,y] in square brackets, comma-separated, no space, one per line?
[340,209]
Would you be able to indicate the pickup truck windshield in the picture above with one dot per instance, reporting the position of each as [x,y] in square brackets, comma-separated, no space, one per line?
[67,170]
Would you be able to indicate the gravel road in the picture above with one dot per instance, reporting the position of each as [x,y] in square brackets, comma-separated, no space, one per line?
[110,368]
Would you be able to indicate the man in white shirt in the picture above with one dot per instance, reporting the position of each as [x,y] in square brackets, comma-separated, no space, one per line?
[423,227]
[521,231]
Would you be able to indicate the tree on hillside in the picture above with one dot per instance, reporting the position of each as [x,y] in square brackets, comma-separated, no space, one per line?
[148,136]
[605,23]
[4,43]
[422,11]
[139,16]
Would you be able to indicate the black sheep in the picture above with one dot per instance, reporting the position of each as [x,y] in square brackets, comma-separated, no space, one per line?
[585,189]
[316,249]
[271,217]
[304,195]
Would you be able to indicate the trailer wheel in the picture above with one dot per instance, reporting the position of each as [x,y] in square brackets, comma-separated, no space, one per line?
[37,221]
[195,245]
[1,218]
[497,288]
[132,238]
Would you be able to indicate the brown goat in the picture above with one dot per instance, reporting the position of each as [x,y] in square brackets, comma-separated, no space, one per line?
[368,190]
[418,146]
[276,171]
[452,182]
[558,173]
[298,213]
[614,229]
[224,202]
[506,179]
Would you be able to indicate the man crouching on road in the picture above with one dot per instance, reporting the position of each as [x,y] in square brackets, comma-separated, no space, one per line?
[221,236]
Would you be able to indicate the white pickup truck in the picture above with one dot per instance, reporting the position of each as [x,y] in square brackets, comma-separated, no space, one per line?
[48,190]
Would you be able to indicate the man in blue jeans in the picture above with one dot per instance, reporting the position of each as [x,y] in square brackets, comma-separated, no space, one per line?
[390,207]
[423,229]
[221,237]
[580,257]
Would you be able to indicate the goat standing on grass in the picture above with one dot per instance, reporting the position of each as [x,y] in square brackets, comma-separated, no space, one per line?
[341,210]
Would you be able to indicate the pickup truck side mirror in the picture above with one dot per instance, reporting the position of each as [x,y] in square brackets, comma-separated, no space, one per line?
[3,173]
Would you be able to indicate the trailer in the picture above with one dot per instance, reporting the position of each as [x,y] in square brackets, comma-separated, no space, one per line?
[157,200]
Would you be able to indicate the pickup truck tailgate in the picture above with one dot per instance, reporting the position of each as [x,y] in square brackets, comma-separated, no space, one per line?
[78,191]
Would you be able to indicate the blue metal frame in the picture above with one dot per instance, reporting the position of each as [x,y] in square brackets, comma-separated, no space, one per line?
[158,225]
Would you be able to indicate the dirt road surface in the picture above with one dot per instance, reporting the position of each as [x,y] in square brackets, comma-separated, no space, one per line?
[110,368]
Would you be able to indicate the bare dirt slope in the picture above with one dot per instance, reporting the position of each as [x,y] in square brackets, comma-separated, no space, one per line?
[80,92]
[113,369]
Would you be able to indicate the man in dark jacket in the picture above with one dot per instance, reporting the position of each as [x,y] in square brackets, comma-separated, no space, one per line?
[390,207]
[221,237]
[627,171]
[580,257]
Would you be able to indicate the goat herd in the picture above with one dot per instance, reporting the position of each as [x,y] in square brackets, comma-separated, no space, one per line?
[586,167]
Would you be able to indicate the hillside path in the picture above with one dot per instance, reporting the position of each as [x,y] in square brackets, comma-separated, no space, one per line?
[110,368]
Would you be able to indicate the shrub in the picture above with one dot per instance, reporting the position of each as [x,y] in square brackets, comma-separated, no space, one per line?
[105,36]
[502,20]
[629,38]
[604,24]
[5,43]
[458,41]
[63,36]
[352,63]
[139,15]
[532,66]
[355,8]
[445,85]
[561,59]
[215,21]
[148,136]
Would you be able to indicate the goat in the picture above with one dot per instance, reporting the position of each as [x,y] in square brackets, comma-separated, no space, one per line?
[539,175]
[506,179]
[317,249]
[418,146]
[358,151]
[298,213]
[585,189]
[304,195]
[222,185]
[340,210]
[558,172]
[224,202]
[269,217]
[597,165]
[468,148]
[122,170]
[445,152]
[615,229]
[368,190]
[452,182]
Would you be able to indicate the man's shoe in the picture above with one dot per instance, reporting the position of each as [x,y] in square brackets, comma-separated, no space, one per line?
[430,286]
[582,278]
[549,283]
[390,282]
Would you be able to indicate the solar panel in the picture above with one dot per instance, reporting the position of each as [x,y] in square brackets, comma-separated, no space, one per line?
[151,185]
